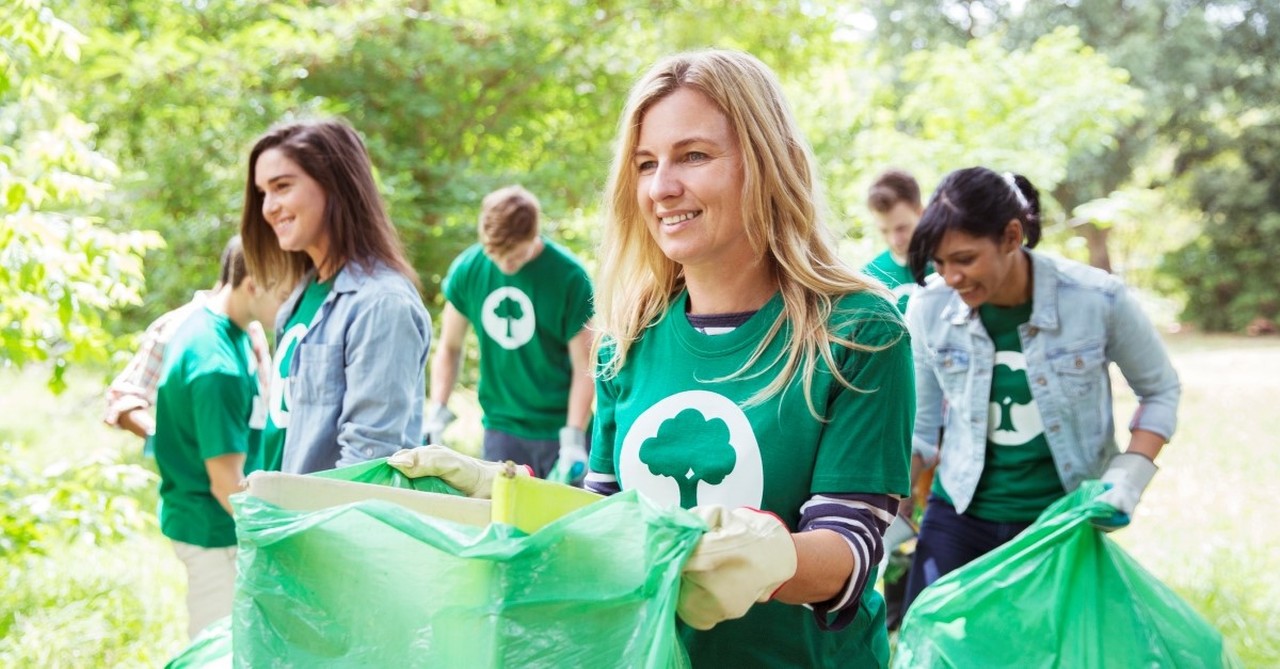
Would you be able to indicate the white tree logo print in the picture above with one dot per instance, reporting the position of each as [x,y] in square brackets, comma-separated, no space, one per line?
[507,317]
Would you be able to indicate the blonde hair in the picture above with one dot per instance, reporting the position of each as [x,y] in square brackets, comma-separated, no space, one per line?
[783,211]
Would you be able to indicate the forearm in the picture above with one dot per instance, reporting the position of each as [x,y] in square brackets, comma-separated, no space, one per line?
[444,374]
[582,393]
[824,563]
[1147,443]
[226,474]
[137,421]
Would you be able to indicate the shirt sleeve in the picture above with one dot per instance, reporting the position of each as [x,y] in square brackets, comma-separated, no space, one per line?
[1135,346]
[221,403]
[604,429]
[135,386]
[580,305]
[929,398]
[385,361]
[866,444]
[861,521]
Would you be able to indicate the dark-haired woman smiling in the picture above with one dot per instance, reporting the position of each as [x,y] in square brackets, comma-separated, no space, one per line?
[348,383]
[1016,346]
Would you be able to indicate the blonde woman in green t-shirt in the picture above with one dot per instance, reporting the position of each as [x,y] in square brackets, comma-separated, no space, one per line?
[745,373]
[745,368]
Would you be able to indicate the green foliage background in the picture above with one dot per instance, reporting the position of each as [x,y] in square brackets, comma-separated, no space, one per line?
[1152,128]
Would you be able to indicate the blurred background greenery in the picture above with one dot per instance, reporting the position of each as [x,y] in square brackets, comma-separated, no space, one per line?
[1152,128]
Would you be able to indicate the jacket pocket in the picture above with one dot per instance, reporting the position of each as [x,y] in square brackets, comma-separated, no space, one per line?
[1081,370]
[321,377]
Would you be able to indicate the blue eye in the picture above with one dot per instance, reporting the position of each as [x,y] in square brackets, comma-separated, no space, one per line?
[647,166]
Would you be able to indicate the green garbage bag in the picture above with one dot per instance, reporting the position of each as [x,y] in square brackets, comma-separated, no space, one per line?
[211,649]
[373,584]
[1061,594]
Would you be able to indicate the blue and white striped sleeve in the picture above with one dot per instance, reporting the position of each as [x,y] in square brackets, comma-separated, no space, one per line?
[602,484]
[861,520]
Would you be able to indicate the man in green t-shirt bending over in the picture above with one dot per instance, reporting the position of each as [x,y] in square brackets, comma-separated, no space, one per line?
[208,418]
[530,300]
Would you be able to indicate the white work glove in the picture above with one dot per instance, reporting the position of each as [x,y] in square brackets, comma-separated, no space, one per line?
[571,465]
[472,477]
[1127,475]
[438,418]
[744,557]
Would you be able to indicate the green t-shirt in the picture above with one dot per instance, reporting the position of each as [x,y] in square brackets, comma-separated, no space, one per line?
[278,404]
[1019,479]
[672,425]
[523,322]
[204,404]
[895,277]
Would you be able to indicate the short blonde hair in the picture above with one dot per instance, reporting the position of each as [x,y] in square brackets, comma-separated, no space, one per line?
[783,211]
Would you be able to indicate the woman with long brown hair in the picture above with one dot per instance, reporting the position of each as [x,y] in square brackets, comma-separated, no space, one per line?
[348,380]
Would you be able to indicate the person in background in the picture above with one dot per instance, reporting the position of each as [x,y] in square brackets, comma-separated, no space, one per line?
[209,417]
[894,201]
[348,382]
[745,373]
[1017,344]
[531,302]
[132,394]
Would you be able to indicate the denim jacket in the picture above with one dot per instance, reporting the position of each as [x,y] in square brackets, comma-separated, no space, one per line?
[1082,320]
[358,376]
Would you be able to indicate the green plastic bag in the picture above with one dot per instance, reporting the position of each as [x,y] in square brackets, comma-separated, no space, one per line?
[211,649]
[373,584]
[1061,594]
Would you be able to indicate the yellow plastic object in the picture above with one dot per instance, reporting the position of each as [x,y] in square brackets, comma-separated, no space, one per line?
[530,504]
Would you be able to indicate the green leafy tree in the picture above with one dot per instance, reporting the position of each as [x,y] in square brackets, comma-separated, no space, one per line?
[60,269]
[690,449]
[508,310]
[1202,144]
[1031,110]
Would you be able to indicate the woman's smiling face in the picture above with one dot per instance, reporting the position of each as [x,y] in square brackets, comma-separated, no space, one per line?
[690,182]
[293,205]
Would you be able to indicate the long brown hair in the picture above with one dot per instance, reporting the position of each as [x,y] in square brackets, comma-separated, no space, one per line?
[355,216]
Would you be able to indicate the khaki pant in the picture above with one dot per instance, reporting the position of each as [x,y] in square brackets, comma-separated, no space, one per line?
[211,582]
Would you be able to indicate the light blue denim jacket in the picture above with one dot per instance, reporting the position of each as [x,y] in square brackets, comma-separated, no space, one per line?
[1082,319]
[358,376]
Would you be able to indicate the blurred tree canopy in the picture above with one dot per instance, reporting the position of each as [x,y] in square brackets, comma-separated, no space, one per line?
[61,270]
[1201,161]
[1152,128]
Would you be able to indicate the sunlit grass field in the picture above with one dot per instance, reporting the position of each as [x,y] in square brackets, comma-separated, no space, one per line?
[1201,526]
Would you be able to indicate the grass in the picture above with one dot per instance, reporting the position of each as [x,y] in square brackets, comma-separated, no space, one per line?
[1200,527]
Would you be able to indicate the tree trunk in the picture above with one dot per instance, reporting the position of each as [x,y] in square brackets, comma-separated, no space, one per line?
[1096,238]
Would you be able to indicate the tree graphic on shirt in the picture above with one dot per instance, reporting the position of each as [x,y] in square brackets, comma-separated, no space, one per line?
[689,449]
[1021,395]
[508,310]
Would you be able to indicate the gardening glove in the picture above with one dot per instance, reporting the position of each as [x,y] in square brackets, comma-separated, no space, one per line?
[1126,477]
[438,418]
[572,463]
[744,557]
[472,477]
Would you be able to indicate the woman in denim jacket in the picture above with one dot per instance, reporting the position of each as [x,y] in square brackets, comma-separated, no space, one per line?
[348,381]
[1012,349]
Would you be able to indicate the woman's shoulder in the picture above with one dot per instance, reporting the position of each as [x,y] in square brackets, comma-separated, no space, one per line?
[1070,273]
[866,316]
[379,280]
